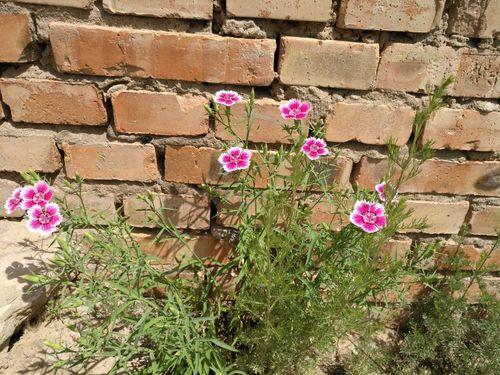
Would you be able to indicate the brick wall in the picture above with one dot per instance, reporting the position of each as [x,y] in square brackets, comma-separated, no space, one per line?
[114,90]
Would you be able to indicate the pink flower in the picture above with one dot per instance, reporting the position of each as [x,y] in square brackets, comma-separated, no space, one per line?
[295,109]
[314,148]
[227,97]
[37,195]
[369,216]
[45,219]
[235,158]
[380,189]
[14,201]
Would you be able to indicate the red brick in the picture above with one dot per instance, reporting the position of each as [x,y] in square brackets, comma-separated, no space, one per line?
[227,212]
[6,189]
[411,67]
[16,40]
[417,16]
[197,9]
[20,154]
[111,161]
[332,215]
[185,211]
[267,125]
[475,18]
[43,101]
[470,256]
[194,165]
[463,129]
[395,249]
[368,123]
[173,250]
[100,207]
[489,285]
[297,10]
[437,176]
[145,112]
[114,52]
[197,165]
[485,221]
[477,75]
[312,62]
[440,217]
[62,3]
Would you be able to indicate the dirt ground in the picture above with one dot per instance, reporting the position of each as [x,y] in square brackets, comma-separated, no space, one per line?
[27,353]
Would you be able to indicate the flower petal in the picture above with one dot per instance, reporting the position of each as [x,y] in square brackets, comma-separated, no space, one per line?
[381,221]
[230,167]
[369,228]
[356,219]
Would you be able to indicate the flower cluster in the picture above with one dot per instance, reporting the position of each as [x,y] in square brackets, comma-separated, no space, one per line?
[43,215]
[237,158]
[369,216]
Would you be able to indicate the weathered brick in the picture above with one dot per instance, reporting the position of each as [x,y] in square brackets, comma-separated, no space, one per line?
[145,112]
[267,126]
[485,221]
[227,212]
[111,161]
[62,3]
[463,129]
[194,165]
[297,10]
[100,207]
[6,189]
[20,154]
[194,9]
[173,250]
[475,18]
[410,67]
[395,249]
[438,176]
[417,16]
[197,165]
[16,41]
[469,256]
[440,217]
[368,123]
[109,51]
[185,211]
[477,75]
[330,214]
[474,291]
[312,62]
[51,102]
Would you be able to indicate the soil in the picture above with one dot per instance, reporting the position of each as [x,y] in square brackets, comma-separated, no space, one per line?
[27,353]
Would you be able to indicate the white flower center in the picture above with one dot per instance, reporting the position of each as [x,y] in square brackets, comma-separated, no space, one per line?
[370,217]
[44,218]
[38,197]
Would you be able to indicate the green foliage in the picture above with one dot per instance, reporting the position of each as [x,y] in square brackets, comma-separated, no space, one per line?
[443,332]
[298,286]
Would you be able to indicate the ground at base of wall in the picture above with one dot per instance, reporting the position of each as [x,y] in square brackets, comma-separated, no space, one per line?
[27,353]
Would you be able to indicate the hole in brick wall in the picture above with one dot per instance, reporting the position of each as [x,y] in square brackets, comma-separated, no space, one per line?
[219,15]
[160,159]
[213,212]
[277,54]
